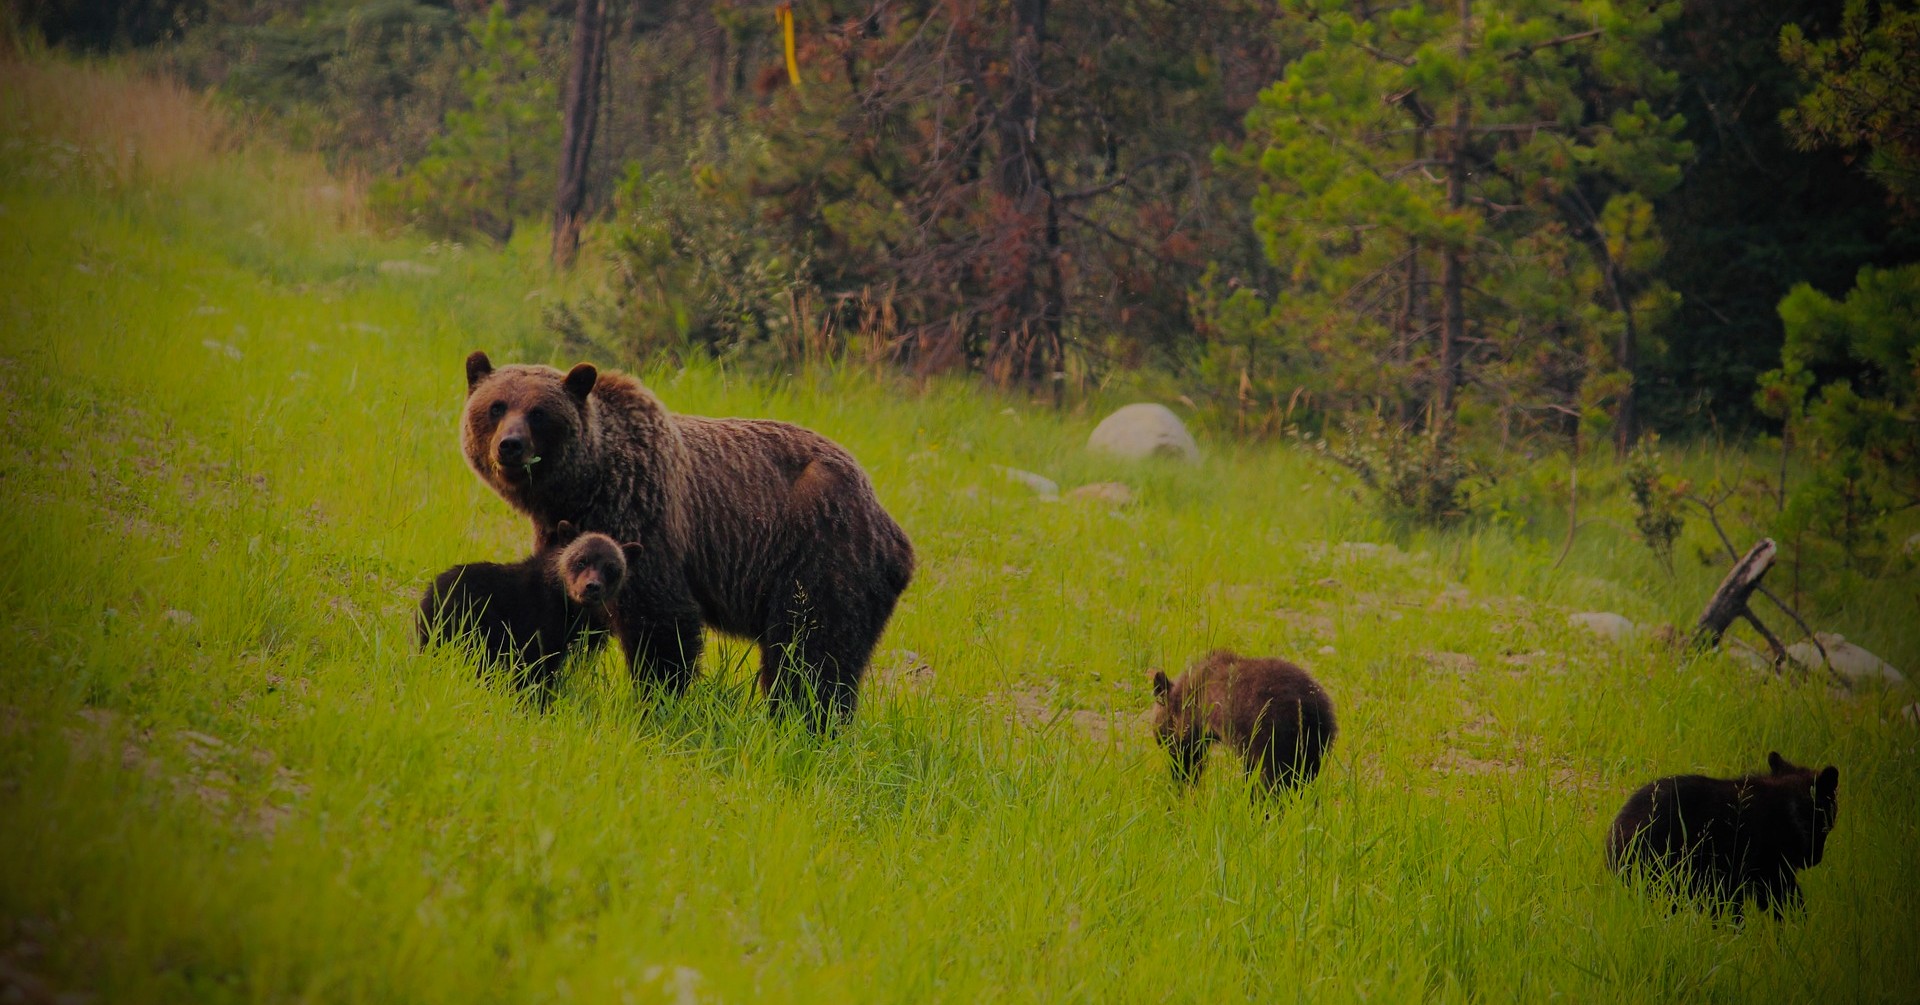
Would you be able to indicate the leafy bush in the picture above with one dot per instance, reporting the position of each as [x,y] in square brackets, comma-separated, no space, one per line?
[1846,389]
[494,162]
[1415,476]
[1657,498]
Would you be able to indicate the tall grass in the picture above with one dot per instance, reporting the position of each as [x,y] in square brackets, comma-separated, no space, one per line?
[225,774]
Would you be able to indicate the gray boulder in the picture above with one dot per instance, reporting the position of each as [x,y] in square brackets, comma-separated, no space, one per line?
[1144,430]
[1848,660]
[1605,624]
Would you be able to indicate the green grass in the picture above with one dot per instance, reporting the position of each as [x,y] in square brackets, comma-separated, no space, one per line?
[225,774]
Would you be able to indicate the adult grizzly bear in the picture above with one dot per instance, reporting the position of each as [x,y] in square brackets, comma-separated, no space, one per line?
[1723,840]
[759,529]
[1273,713]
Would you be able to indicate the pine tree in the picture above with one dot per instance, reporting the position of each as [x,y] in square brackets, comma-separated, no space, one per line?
[1459,201]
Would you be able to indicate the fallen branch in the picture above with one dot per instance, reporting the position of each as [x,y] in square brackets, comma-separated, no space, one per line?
[1730,602]
[1826,660]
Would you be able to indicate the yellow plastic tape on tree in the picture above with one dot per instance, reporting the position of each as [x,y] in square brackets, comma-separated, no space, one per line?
[785,13]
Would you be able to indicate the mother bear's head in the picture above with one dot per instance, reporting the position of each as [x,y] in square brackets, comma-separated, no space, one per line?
[523,422]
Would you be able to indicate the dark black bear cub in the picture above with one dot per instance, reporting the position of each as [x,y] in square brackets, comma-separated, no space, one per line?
[1273,713]
[1722,840]
[528,614]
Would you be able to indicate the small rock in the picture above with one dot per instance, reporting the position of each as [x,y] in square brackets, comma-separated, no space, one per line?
[1609,626]
[1327,651]
[1144,430]
[402,267]
[179,617]
[1116,493]
[1848,660]
[1912,714]
[1747,655]
[1042,486]
[1912,545]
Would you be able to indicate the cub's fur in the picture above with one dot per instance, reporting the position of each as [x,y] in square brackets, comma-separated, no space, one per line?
[1723,840]
[1273,713]
[759,529]
[527,615]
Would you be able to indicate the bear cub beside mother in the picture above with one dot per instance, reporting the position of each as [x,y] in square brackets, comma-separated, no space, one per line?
[759,529]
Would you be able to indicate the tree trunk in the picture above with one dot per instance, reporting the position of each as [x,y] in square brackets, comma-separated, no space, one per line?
[1624,431]
[1407,326]
[580,115]
[1730,600]
[713,37]
[1033,347]
[1453,281]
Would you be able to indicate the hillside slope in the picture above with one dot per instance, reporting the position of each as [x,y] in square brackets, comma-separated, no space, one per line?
[225,773]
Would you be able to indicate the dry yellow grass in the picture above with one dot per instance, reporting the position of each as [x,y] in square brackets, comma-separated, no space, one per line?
[123,128]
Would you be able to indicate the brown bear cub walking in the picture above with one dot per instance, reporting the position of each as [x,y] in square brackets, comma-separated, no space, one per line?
[1275,714]
[527,615]
[762,530]
[1722,840]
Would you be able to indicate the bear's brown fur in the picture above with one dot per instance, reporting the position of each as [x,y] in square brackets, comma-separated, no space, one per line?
[1273,713]
[528,615]
[1722,840]
[758,529]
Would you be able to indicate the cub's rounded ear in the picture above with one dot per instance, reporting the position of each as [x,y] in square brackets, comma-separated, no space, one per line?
[1828,783]
[478,368]
[1777,764]
[580,381]
[632,552]
[564,532]
[1161,685]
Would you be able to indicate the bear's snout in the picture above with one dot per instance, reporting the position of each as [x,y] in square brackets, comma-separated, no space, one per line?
[591,591]
[512,449]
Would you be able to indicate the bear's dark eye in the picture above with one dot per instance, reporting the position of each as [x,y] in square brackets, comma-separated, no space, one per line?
[537,416]
[496,410]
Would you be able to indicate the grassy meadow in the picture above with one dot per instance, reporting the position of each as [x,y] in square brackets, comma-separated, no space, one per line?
[227,775]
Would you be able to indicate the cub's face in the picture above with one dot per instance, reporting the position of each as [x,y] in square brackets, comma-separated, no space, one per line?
[522,421]
[592,569]
[1816,804]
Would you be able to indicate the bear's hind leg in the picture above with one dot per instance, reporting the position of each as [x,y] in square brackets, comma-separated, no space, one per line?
[816,667]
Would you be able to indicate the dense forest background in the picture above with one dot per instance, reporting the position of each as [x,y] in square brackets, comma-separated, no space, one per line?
[1433,241]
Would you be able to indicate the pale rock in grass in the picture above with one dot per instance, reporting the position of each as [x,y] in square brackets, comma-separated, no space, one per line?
[1911,545]
[1144,430]
[1042,486]
[1911,714]
[1607,625]
[1746,655]
[178,617]
[1857,665]
[1116,493]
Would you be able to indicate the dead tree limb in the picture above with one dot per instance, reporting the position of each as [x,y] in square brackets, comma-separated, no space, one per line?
[1730,601]
[1713,517]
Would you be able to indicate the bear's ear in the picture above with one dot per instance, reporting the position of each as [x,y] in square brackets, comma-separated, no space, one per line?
[1827,784]
[580,381]
[632,552]
[1161,685]
[1777,764]
[478,368]
[564,532]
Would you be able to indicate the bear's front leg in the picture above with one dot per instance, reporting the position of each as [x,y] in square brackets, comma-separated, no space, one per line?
[660,631]
[662,653]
